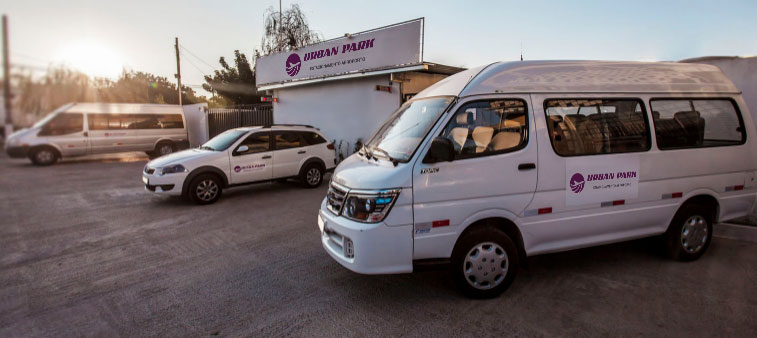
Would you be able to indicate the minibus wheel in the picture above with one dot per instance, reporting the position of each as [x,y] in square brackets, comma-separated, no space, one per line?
[484,262]
[690,233]
[205,189]
[164,148]
[312,175]
[44,156]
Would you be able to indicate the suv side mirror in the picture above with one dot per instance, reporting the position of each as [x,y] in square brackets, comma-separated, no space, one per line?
[441,151]
[242,149]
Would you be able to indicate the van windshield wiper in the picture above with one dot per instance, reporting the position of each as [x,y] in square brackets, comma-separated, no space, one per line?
[364,151]
[389,157]
[207,148]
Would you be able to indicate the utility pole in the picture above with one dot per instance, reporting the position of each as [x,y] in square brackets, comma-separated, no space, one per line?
[178,68]
[281,26]
[6,80]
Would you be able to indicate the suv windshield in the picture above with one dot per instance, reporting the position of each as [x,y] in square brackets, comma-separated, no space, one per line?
[223,140]
[405,129]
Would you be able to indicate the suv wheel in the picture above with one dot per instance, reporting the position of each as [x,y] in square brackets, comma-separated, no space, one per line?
[205,189]
[44,156]
[312,176]
[690,232]
[484,263]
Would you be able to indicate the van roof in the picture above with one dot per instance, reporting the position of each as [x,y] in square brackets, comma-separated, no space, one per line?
[584,77]
[123,108]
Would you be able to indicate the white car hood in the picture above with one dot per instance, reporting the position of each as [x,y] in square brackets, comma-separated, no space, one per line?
[180,157]
[357,172]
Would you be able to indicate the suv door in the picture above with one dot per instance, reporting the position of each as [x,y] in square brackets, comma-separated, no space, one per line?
[492,173]
[255,164]
[288,153]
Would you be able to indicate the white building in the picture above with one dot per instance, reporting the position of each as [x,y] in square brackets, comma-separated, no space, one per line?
[348,86]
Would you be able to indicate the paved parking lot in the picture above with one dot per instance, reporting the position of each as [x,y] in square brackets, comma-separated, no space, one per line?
[85,251]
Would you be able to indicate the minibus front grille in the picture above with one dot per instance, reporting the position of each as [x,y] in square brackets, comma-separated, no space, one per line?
[335,199]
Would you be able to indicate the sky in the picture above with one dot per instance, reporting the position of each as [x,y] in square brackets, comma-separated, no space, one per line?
[102,37]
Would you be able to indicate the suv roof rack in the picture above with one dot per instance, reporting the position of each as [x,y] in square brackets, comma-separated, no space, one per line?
[289,125]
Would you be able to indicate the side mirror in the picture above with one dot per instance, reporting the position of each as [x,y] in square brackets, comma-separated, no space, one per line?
[441,151]
[242,149]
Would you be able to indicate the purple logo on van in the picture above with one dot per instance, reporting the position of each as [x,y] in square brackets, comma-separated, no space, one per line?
[237,169]
[577,183]
[293,64]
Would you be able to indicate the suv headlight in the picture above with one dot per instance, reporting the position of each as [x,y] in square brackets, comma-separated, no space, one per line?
[172,169]
[369,206]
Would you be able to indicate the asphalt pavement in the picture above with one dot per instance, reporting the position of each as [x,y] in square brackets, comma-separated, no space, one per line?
[86,251]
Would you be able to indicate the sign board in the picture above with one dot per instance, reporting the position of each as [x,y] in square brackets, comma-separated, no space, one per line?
[394,45]
[599,180]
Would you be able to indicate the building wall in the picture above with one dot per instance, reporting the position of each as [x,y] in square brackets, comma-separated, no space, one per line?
[344,110]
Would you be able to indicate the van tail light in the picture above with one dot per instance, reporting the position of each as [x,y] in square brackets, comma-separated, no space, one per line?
[330,146]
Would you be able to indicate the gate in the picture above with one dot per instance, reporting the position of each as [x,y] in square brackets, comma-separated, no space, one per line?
[222,119]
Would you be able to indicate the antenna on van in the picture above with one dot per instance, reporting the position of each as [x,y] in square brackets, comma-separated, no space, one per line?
[521,50]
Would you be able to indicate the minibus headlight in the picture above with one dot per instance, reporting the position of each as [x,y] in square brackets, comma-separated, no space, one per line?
[177,168]
[369,207]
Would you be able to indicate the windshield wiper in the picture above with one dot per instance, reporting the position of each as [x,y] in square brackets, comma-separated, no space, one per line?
[207,148]
[389,157]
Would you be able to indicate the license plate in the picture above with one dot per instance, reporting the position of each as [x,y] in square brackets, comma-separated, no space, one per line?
[146,180]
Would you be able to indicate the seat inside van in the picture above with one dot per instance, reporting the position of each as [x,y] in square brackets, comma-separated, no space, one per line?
[684,129]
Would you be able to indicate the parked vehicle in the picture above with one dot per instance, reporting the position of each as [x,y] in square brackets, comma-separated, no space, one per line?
[78,129]
[242,156]
[517,159]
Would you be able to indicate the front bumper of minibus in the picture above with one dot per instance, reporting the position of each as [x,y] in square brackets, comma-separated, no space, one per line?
[367,248]
[168,184]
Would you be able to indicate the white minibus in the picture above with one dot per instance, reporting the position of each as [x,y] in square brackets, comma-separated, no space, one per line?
[78,129]
[515,159]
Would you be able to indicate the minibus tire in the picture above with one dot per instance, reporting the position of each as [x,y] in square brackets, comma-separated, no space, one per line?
[312,175]
[36,156]
[466,244]
[698,218]
[158,153]
[205,180]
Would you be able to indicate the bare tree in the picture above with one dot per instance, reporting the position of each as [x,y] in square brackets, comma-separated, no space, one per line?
[295,33]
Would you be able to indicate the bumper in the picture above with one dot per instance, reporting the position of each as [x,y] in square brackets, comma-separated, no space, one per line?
[170,184]
[366,248]
[17,151]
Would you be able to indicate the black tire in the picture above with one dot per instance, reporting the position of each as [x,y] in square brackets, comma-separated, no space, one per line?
[312,175]
[201,189]
[496,265]
[44,156]
[164,148]
[690,232]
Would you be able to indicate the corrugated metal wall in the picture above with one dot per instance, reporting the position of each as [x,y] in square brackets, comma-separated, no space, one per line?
[222,119]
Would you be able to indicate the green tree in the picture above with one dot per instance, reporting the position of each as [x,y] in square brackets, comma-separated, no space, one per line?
[236,85]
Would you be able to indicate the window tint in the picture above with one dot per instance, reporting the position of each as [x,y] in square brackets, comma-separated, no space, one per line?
[696,123]
[170,121]
[257,143]
[286,140]
[62,124]
[134,121]
[311,138]
[597,126]
[145,121]
[487,127]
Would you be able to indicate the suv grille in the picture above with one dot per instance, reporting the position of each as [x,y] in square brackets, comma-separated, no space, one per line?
[149,170]
[335,200]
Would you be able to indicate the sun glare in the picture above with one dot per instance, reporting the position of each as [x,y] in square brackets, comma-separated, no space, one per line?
[92,58]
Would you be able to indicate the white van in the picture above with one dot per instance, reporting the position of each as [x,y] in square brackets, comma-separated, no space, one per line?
[517,159]
[78,129]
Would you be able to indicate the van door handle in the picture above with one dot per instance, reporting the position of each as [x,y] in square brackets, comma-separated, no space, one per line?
[301,152]
[526,166]
[266,157]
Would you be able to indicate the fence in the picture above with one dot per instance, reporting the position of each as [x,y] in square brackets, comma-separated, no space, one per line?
[222,119]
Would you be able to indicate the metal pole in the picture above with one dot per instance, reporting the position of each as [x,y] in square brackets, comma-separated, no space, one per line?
[178,68]
[6,80]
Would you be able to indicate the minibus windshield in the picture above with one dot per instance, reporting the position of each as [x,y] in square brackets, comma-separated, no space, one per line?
[223,140]
[401,134]
[44,121]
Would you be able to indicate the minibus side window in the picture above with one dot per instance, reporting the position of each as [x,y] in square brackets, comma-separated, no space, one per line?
[694,123]
[171,121]
[62,124]
[597,126]
[483,128]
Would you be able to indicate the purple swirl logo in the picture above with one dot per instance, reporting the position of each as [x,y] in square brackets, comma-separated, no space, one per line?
[293,64]
[237,169]
[577,183]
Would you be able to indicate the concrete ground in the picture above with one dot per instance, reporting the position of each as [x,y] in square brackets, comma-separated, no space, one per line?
[85,251]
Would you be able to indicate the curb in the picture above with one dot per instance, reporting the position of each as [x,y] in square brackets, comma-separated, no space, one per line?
[735,231]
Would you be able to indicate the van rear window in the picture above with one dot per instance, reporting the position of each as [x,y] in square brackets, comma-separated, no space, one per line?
[597,126]
[694,123]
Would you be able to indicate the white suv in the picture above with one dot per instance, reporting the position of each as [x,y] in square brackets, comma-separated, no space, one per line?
[242,156]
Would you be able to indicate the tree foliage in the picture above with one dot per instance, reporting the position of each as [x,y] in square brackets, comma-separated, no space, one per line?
[235,85]
[295,33]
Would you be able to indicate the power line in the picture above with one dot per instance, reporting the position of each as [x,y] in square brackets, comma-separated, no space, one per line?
[194,65]
[197,57]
